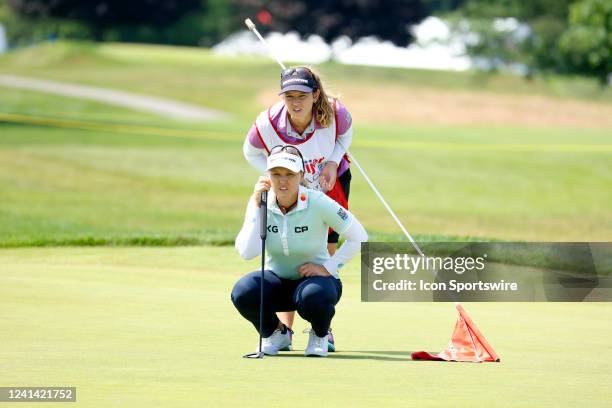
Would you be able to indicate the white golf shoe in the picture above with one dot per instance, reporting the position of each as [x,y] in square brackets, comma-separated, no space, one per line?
[277,341]
[317,346]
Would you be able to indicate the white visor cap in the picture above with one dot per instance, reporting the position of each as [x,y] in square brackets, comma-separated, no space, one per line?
[285,160]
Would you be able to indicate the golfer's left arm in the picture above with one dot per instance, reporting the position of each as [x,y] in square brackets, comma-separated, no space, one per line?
[353,237]
[345,224]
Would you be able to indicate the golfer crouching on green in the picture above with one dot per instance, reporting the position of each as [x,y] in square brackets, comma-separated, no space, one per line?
[299,272]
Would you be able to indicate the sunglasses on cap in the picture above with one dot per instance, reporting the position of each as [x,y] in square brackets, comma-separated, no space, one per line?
[295,70]
[289,149]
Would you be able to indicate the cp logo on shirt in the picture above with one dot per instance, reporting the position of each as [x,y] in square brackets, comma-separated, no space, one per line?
[301,229]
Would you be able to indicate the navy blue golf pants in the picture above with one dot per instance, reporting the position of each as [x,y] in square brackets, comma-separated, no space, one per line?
[314,298]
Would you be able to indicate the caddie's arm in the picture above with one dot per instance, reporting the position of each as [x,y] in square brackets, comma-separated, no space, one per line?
[254,151]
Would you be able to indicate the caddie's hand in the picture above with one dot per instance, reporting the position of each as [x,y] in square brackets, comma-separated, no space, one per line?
[310,269]
[263,184]
[328,176]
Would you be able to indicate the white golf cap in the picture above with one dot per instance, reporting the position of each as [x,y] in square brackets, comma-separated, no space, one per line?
[285,160]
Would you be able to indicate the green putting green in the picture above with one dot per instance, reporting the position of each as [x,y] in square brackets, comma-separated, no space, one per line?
[144,327]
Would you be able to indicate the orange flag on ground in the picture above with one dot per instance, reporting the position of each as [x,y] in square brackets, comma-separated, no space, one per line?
[467,344]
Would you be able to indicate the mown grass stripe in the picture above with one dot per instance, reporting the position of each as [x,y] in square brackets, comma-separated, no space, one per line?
[376,142]
[485,147]
[117,128]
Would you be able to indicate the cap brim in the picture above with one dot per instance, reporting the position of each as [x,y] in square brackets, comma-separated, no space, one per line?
[293,169]
[286,161]
[296,87]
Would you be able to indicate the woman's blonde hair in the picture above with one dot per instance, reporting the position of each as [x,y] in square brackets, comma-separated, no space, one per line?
[322,109]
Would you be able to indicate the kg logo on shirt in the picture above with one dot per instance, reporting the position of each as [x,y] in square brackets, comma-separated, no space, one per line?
[342,214]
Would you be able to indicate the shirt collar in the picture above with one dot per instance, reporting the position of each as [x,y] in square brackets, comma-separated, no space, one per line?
[285,126]
[302,202]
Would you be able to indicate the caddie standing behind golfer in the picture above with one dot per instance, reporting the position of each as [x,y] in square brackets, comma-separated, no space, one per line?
[322,129]
[299,272]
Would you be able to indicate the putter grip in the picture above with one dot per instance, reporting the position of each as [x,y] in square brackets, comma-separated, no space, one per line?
[264,215]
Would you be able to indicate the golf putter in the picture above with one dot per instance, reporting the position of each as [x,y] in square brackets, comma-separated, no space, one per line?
[262,233]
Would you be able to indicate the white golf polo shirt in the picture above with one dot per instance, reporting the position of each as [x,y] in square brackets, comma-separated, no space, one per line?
[300,236]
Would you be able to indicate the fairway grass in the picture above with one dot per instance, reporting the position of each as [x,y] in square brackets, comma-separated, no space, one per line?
[154,327]
[76,172]
[63,186]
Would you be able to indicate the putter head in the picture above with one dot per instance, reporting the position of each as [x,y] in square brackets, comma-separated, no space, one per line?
[257,354]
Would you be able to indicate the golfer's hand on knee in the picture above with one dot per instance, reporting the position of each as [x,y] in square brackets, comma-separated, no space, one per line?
[263,184]
[309,269]
[328,176]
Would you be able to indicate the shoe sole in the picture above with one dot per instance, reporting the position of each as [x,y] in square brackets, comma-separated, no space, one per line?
[286,348]
[315,355]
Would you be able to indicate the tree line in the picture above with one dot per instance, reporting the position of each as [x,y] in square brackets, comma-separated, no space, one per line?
[565,36]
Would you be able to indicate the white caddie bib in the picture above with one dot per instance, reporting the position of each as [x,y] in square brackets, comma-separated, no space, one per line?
[315,148]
